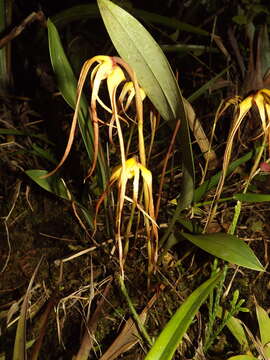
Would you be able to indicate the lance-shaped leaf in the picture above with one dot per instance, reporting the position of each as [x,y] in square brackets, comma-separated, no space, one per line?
[137,47]
[226,247]
[172,334]
[55,185]
[264,326]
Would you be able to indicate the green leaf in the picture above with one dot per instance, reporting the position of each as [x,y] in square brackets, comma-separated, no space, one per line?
[87,11]
[45,154]
[252,197]
[206,86]
[240,19]
[66,80]
[264,326]
[170,22]
[226,247]
[53,184]
[243,357]
[171,336]
[137,47]
[213,181]
[236,328]
[24,133]
[75,13]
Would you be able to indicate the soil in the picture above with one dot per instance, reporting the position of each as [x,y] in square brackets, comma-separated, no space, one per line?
[77,268]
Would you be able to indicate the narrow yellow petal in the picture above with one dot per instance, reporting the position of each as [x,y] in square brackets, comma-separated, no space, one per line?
[146,174]
[266,92]
[245,106]
[260,102]
[128,91]
[115,78]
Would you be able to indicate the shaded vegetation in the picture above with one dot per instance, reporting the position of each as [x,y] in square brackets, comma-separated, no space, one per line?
[158,211]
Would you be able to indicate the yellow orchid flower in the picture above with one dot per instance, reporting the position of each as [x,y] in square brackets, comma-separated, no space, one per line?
[128,91]
[112,70]
[109,70]
[132,169]
[106,69]
[261,99]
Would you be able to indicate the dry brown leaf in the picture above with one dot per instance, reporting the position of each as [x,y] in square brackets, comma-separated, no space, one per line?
[200,136]
[129,335]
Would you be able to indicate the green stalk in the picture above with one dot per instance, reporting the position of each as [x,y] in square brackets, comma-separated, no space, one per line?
[134,313]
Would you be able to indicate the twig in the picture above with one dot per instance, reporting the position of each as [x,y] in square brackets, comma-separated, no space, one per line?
[17,30]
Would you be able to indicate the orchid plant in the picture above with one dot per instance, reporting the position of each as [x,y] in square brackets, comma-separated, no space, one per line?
[114,71]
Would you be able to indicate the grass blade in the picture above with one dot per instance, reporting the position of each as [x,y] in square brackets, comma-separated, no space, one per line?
[213,181]
[87,11]
[172,334]
[20,340]
[264,326]
[248,197]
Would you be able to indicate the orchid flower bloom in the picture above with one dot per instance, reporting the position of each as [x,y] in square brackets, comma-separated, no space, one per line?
[107,70]
[261,99]
[132,170]
[128,91]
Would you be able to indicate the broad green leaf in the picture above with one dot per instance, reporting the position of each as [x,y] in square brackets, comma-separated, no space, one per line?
[137,47]
[67,84]
[252,197]
[66,80]
[264,326]
[171,336]
[243,357]
[53,183]
[226,247]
